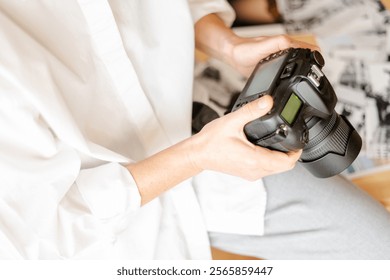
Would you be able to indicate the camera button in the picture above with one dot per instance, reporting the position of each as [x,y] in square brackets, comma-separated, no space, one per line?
[282,130]
[305,137]
[288,70]
[294,54]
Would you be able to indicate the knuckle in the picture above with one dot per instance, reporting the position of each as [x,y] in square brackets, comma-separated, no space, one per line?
[248,110]
[284,40]
[281,163]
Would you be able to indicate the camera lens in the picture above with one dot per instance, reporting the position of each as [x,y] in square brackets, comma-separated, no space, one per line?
[333,145]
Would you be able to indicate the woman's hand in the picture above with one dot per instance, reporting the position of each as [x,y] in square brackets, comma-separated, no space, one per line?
[222,146]
[214,38]
[244,53]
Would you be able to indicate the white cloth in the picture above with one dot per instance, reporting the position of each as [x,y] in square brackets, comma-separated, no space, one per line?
[85,87]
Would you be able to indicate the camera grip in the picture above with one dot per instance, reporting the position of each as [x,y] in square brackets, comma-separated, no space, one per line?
[259,134]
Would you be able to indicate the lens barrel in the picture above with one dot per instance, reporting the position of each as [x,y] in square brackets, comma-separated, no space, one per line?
[333,145]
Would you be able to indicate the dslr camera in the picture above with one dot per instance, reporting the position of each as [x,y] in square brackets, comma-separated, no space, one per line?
[303,115]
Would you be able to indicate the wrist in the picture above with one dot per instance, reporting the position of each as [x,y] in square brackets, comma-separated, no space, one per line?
[215,39]
[194,153]
[227,46]
[164,170]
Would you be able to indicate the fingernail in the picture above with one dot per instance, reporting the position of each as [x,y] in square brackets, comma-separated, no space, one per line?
[262,103]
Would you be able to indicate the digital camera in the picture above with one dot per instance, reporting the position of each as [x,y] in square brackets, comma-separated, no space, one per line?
[303,115]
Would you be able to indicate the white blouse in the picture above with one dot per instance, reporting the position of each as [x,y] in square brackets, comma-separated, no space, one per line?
[86,87]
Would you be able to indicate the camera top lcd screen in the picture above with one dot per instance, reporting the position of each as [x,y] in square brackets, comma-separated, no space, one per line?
[291,109]
[264,76]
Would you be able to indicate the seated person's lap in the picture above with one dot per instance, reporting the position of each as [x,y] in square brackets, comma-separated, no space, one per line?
[311,218]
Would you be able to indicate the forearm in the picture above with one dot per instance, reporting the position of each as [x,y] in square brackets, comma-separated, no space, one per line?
[164,170]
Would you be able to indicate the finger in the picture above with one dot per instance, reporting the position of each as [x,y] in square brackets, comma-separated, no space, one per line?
[253,110]
[275,161]
[304,45]
[284,42]
[295,155]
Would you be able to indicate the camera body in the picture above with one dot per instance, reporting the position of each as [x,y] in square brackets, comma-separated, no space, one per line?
[303,115]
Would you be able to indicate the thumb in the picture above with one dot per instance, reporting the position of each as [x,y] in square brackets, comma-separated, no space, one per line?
[253,110]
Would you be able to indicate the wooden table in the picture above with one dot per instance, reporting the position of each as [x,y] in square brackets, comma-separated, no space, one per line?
[386,3]
[377,185]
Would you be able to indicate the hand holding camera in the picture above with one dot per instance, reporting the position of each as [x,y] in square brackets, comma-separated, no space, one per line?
[303,115]
[222,146]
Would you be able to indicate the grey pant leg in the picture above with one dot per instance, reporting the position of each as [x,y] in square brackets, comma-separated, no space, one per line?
[311,218]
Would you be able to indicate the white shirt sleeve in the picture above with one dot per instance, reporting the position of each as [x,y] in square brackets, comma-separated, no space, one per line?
[201,8]
[109,190]
[48,202]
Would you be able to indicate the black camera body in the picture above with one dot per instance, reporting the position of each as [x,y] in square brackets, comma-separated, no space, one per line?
[303,115]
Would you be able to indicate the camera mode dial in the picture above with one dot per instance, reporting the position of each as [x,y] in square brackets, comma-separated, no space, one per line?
[318,58]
